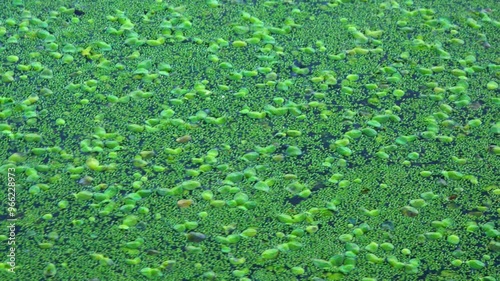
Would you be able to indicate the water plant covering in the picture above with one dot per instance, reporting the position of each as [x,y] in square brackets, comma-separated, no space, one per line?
[251,140]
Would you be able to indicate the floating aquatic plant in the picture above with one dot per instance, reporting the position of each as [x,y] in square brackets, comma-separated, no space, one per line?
[327,148]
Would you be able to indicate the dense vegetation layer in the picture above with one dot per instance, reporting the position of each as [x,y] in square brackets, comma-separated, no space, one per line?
[251,140]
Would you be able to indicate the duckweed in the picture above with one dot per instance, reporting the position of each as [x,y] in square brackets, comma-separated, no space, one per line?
[251,140]
[492,85]
[433,235]
[293,151]
[372,247]
[475,264]
[453,239]
[270,254]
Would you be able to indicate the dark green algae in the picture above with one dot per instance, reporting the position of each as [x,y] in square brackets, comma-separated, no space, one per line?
[341,142]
